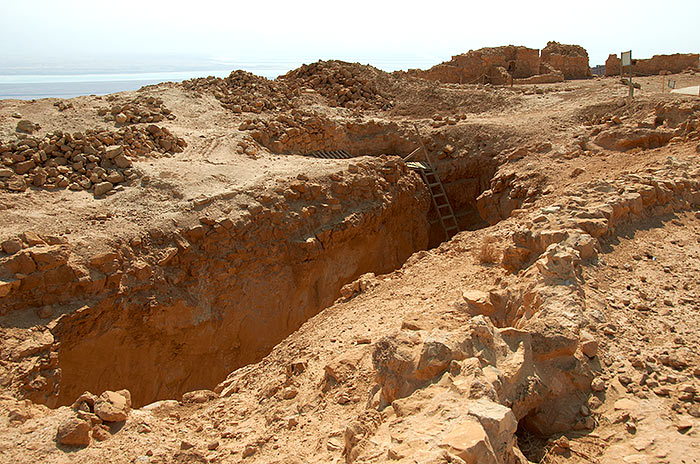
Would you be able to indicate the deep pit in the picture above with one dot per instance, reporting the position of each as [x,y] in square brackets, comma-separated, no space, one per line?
[185,308]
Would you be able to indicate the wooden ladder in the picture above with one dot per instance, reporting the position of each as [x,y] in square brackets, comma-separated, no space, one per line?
[446,215]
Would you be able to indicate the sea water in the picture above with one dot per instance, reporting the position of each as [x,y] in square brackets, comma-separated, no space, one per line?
[66,85]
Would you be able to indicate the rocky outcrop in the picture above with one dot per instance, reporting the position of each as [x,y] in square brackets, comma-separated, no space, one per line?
[657,64]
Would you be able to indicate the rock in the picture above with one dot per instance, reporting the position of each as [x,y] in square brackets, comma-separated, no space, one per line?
[17,115]
[122,161]
[102,188]
[6,172]
[113,406]
[498,421]
[100,432]
[684,424]
[115,177]
[121,118]
[185,445]
[589,345]
[25,125]
[625,404]
[598,385]
[113,151]
[212,445]
[468,440]
[17,184]
[73,432]
[199,396]
[11,246]
[249,450]
[85,402]
[478,301]
[24,167]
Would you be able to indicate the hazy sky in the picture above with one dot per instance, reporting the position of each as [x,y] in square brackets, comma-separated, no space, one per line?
[74,30]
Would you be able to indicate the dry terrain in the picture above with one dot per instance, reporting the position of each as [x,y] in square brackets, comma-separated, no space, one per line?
[182,281]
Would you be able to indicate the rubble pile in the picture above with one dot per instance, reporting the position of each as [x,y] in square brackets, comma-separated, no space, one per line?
[141,109]
[347,85]
[92,160]
[243,92]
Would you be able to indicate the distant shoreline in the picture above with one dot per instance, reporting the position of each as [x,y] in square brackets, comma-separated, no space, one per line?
[43,84]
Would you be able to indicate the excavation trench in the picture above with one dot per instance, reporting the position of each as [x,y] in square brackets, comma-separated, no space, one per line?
[223,298]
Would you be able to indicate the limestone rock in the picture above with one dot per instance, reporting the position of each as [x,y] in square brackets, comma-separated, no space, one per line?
[102,188]
[589,345]
[113,406]
[498,421]
[85,402]
[25,125]
[122,161]
[113,151]
[73,432]
[479,302]
[468,440]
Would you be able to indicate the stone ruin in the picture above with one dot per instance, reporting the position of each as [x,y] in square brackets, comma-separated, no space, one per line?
[657,64]
[512,64]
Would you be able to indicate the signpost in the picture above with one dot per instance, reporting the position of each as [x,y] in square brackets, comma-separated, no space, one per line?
[626,60]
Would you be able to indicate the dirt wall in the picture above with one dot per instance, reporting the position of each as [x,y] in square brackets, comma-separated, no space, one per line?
[176,312]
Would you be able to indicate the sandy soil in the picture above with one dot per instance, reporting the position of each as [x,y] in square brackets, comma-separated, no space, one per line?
[639,294]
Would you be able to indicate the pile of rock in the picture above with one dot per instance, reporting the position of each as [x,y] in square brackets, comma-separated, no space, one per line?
[244,92]
[348,85]
[93,415]
[141,109]
[288,129]
[92,160]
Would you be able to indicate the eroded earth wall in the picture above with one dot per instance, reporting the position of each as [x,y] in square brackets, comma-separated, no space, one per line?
[176,311]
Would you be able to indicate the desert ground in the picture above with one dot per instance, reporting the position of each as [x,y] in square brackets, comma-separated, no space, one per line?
[186,276]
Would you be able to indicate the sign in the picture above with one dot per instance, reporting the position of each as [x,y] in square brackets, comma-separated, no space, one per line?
[671,84]
[626,58]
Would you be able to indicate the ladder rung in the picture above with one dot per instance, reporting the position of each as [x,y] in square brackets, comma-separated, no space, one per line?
[434,184]
[446,205]
[438,195]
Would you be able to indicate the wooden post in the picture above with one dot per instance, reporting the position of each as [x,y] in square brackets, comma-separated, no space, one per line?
[425,151]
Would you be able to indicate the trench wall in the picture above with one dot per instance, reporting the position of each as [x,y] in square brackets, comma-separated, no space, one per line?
[186,308]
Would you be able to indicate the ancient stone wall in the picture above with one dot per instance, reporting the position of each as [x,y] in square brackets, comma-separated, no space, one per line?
[500,65]
[671,63]
[571,60]
[178,311]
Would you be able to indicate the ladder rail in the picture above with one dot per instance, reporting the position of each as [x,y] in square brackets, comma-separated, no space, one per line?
[435,187]
[444,217]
